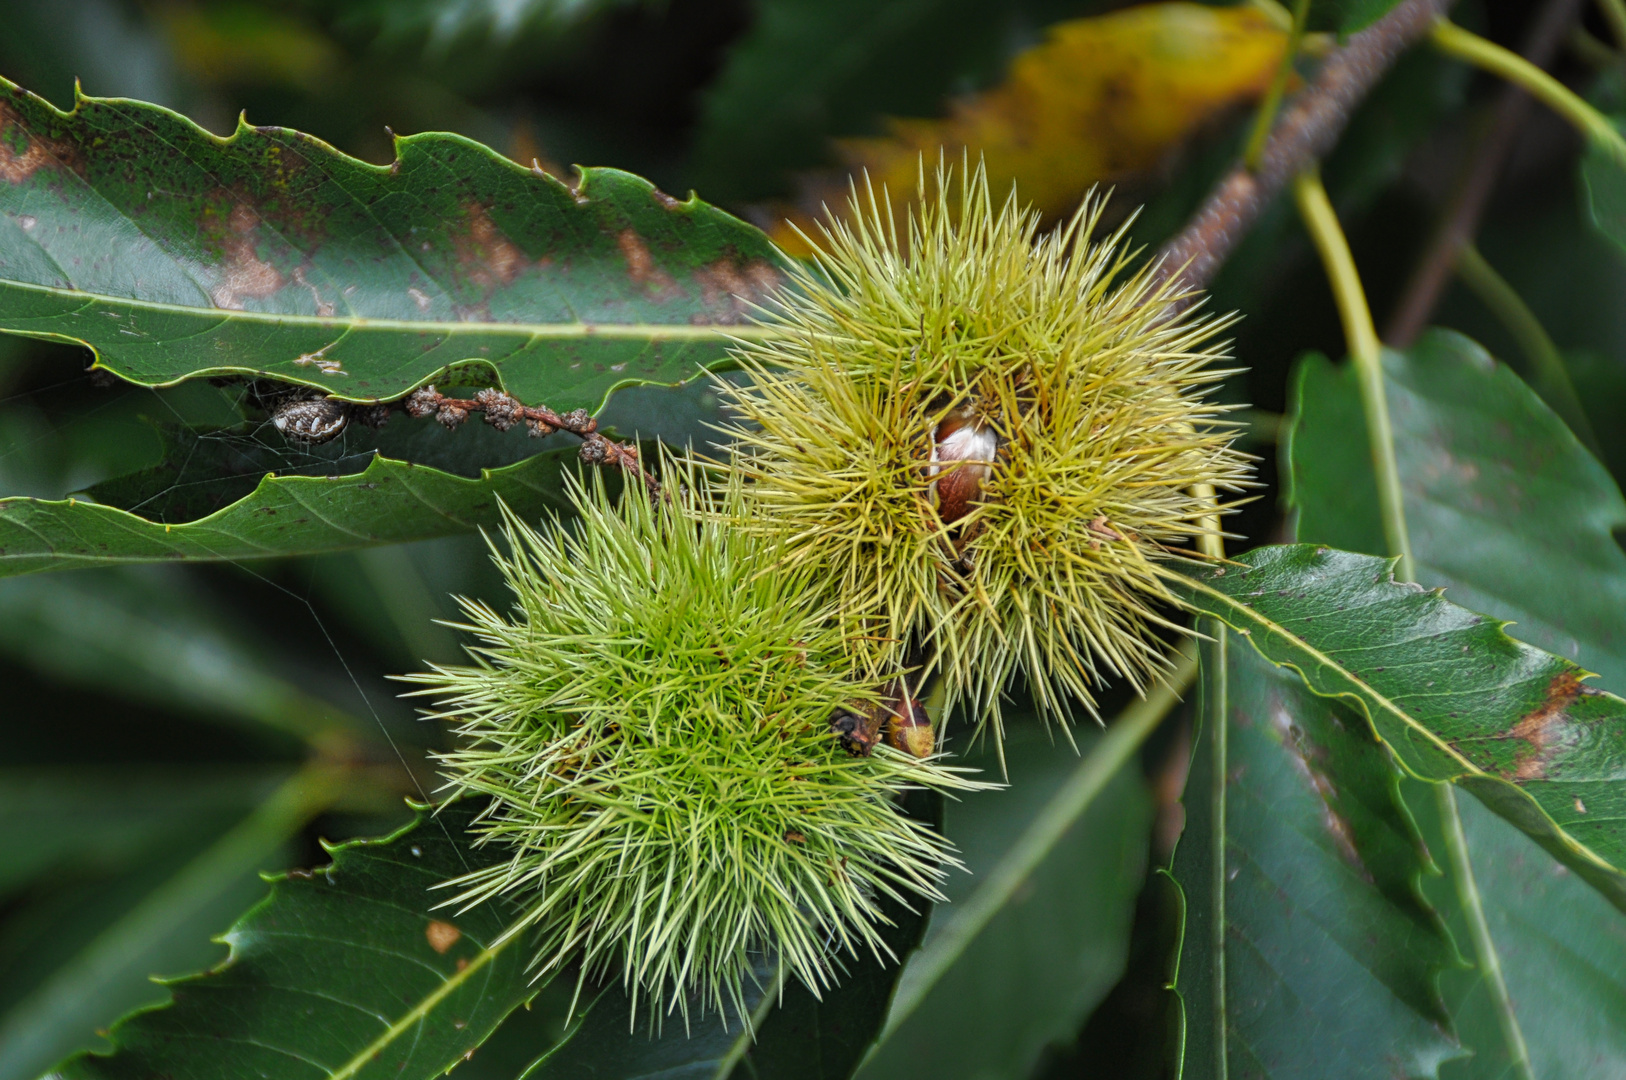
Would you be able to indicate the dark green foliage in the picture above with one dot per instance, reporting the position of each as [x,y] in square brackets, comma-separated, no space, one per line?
[1299,868]
[1559,947]
[1506,509]
[347,970]
[1044,957]
[1561,950]
[387,502]
[1446,689]
[167,731]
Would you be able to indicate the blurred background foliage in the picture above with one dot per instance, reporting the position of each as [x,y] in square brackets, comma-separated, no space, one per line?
[148,711]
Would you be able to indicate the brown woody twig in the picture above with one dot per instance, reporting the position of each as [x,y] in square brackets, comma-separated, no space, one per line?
[503,412]
[1306,130]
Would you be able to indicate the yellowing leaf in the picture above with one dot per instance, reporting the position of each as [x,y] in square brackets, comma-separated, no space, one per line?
[1101,99]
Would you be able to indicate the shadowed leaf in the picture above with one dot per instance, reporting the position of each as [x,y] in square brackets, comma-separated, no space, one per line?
[342,972]
[388,502]
[988,1001]
[1299,868]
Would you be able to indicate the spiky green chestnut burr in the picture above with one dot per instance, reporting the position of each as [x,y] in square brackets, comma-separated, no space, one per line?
[983,438]
[651,725]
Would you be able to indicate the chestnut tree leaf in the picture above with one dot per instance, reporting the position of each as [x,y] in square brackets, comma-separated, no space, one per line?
[387,502]
[1560,951]
[174,253]
[1299,872]
[1038,933]
[348,971]
[1454,697]
[1506,508]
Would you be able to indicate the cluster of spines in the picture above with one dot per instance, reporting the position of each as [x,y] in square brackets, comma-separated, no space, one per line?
[959,459]
[984,438]
[653,730]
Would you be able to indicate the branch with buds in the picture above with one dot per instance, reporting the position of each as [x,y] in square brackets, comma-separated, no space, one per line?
[503,411]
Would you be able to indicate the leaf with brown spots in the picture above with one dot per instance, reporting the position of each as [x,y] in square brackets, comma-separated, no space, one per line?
[176,254]
[1512,515]
[1506,509]
[1448,690]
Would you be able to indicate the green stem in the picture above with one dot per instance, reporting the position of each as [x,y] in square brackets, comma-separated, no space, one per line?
[1363,346]
[1211,541]
[1551,377]
[1614,13]
[1455,41]
[1117,747]
[1473,909]
[1365,352]
[1265,118]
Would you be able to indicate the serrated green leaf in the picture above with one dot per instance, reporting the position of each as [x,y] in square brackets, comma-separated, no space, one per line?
[1507,509]
[1561,952]
[343,972]
[174,253]
[1039,933]
[1298,867]
[204,470]
[1504,506]
[1448,690]
[387,502]
[1490,469]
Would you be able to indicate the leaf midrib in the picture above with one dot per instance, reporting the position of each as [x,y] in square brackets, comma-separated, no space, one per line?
[534,331]
[1259,620]
[417,1012]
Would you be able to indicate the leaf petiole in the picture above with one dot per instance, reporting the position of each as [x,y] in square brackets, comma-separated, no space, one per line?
[1367,355]
[1453,40]
[1265,118]
[1365,352]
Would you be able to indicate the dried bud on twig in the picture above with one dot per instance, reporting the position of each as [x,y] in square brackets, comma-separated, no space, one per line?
[502,412]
